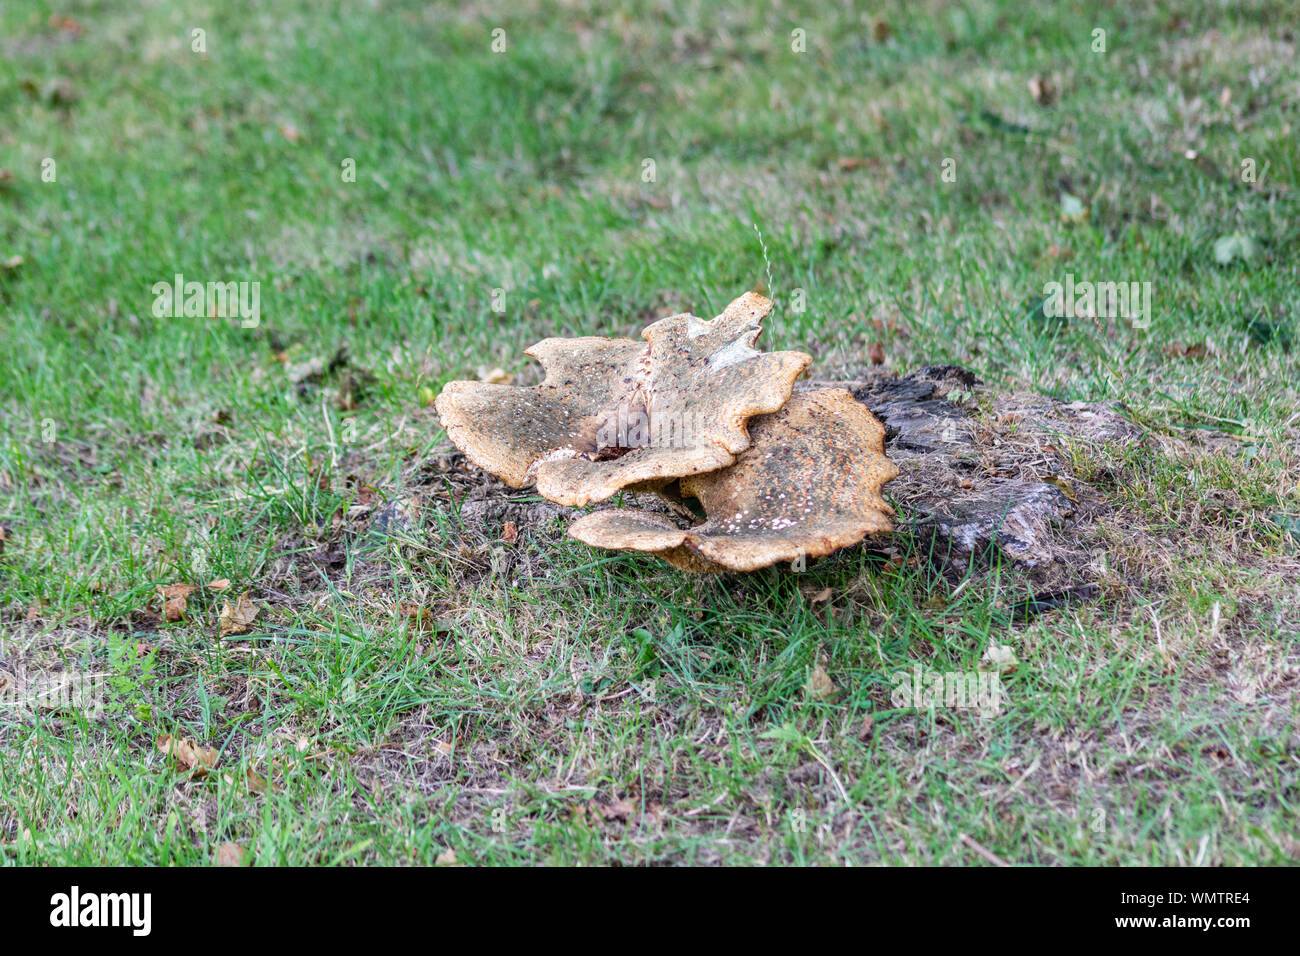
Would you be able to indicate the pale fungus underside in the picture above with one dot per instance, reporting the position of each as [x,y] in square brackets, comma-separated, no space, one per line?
[779,477]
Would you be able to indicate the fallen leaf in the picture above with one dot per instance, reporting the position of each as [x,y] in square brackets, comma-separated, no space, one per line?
[189,756]
[496,376]
[820,686]
[221,584]
[445,858]
[422,618]
[1234,246]
[237,618]
[618,810]
[13,262]
[876,352]
[230,854]
[823,595]
[66,24]
[175,599]
[308,370]
[1001,658]
[1072,208]
[880,30]
[255,782]
[1043,89]
[1196,350]
[868,724]
[510,533]
[1064,485]
[846,164]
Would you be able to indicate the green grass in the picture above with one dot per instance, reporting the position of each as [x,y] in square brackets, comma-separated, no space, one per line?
[1153,726]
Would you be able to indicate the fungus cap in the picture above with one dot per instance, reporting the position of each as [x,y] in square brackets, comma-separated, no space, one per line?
[809,484]
[617,413]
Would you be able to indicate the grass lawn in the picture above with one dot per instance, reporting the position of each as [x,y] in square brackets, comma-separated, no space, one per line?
[418,207]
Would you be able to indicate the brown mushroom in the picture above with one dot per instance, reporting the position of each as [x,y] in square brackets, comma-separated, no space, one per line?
[617,413]
[809,484]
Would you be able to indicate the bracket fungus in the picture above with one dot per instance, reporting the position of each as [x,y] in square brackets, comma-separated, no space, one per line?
[617,413]
[695,411]
[809,484]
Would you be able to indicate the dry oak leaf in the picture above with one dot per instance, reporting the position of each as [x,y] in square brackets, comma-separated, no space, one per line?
[175,598]
[189,756]
[820,686]
[808,485]
[255,782]
[238,618]
[66,24]
[617,810]
[617,413]
[420,618]
[230,854]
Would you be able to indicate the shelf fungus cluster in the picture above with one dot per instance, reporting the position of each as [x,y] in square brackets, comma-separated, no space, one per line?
[694,411]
